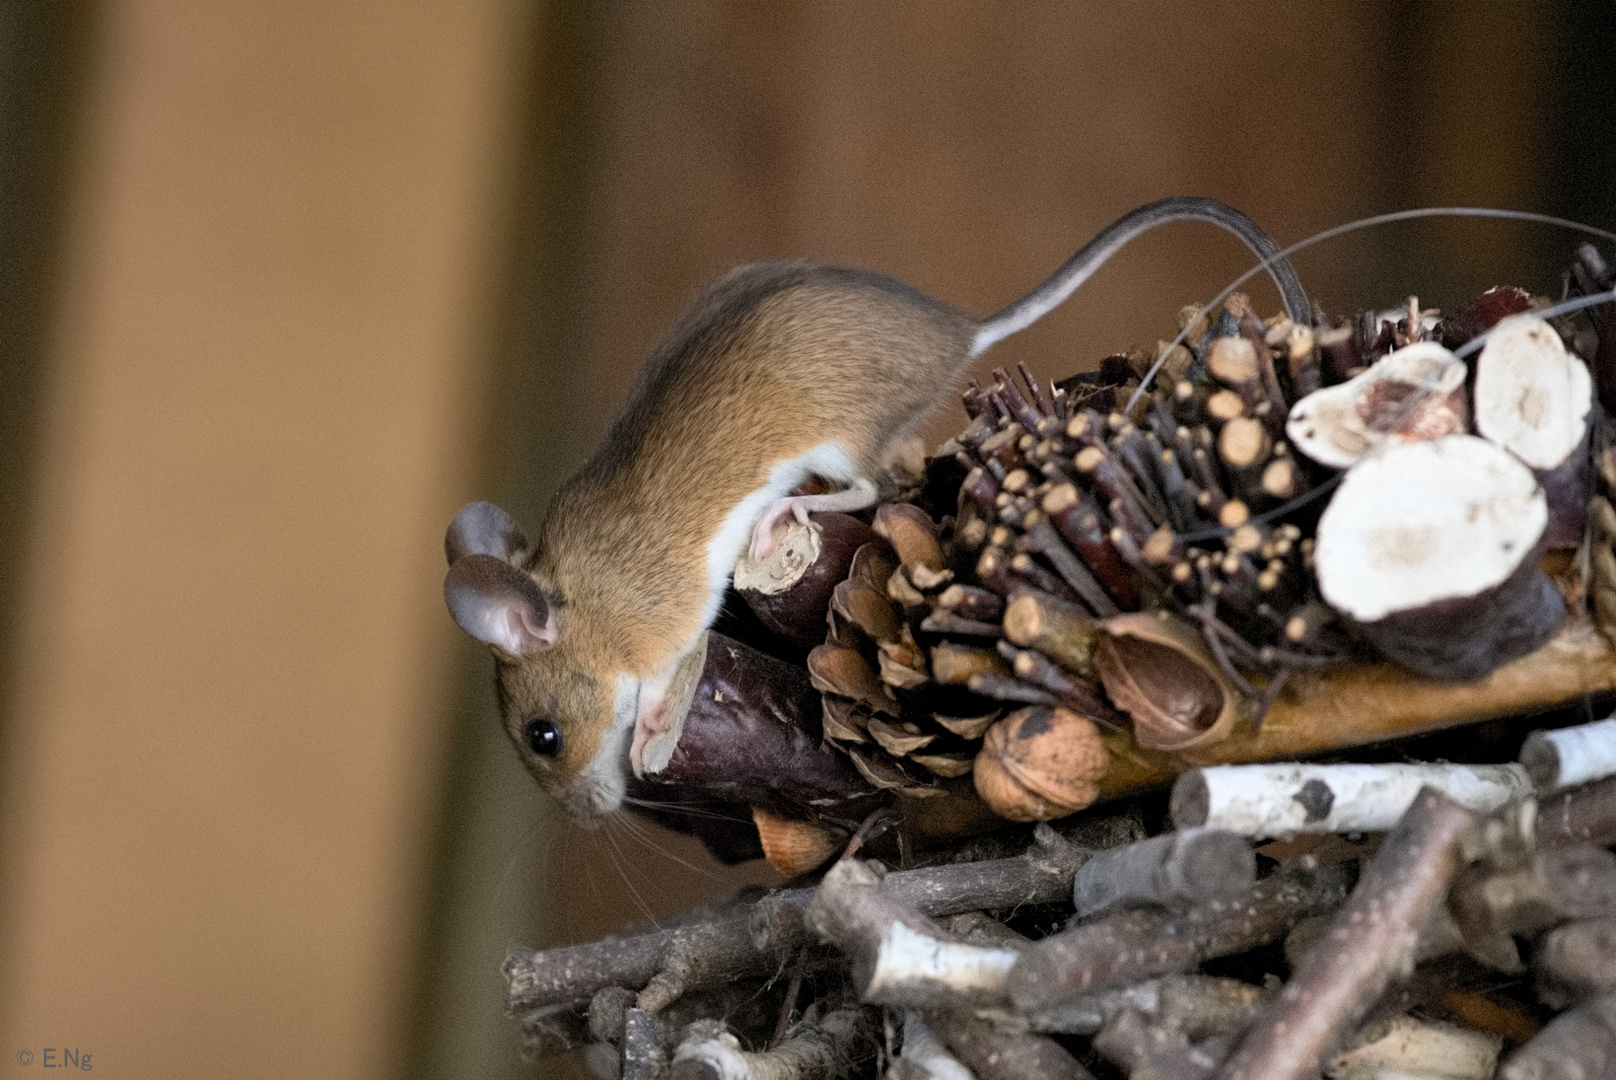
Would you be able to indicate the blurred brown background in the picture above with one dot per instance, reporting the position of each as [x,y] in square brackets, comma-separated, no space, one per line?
[284,285]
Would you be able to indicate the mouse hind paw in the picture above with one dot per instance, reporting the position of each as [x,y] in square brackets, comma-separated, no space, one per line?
[861,494]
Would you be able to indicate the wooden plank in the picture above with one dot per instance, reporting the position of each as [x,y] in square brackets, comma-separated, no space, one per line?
[227,740]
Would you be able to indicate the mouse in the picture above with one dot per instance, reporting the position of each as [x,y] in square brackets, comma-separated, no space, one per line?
[782,371]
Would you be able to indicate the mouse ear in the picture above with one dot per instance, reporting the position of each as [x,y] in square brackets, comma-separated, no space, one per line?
[499,605]
[483,529]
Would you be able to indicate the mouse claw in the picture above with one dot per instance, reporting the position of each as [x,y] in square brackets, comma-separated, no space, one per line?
[861,494]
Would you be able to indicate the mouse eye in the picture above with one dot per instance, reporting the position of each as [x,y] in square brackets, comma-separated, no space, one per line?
[543,738]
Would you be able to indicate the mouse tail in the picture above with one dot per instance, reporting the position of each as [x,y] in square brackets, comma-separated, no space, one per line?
[1076,270]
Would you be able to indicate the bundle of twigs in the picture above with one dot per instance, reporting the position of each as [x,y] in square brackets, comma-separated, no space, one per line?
[1396,905]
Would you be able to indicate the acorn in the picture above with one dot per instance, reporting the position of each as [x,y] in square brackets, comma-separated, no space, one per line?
[1040,763]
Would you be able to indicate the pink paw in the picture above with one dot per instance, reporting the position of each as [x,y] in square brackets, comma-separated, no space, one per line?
[763,534]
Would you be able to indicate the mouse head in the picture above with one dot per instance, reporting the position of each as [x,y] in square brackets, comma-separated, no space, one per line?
[557,698]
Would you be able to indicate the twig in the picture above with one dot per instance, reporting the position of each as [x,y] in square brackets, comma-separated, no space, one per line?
[1402,1046]
[1192,1007]
[1579,1044]
[1145,1050]
[1286,797]
[1214,642]
[996,1055]
[900,957]
[1125,948]
[814,1049]
[1577,960]
[643,1056]
[1570,756]
[874,825]
[1176,869]
[1370,939]
[924,1057]
[554,1029]
[1491,906]
[1587,814]
[748,940]
[789,1004]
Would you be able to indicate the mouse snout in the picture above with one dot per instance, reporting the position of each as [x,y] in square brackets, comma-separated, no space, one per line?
[587,800]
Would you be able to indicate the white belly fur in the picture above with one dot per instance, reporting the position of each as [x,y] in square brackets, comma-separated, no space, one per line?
[637,721]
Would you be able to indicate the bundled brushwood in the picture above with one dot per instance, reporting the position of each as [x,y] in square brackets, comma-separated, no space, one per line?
[1158,955]
[1266,541]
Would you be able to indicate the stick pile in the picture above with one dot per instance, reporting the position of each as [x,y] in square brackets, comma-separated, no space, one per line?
[1396,904]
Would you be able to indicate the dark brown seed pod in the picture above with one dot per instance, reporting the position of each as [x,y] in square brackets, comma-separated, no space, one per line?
[1481,315]
[751,736]
[790,590]
[1158,670]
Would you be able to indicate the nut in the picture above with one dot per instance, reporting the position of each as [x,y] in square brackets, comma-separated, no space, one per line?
[1156,669]
[1040,763]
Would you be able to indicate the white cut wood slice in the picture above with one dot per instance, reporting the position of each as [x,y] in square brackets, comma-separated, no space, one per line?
[1532,395]
[1432,548]
[1411,394]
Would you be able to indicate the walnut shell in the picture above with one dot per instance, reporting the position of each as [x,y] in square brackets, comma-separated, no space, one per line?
[1040,763]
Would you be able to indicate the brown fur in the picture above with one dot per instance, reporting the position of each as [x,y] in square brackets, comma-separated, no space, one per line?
[775,359]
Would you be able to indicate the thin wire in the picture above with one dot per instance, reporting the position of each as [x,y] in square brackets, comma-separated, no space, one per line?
[1565,307]
[1354,226]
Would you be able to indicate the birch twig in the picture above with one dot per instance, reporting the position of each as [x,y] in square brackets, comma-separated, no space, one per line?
[1371,938]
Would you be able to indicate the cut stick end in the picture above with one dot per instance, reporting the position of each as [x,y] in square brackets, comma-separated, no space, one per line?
[1542,761]
[1191,801]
